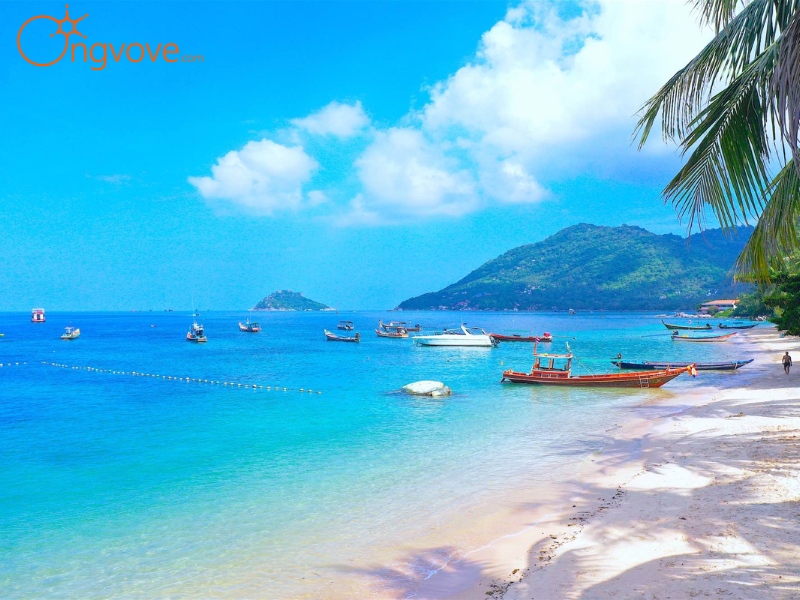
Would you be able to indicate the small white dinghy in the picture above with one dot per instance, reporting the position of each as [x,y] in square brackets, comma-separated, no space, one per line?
[435,389]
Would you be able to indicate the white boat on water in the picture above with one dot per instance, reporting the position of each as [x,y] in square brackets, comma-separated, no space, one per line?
[466,336]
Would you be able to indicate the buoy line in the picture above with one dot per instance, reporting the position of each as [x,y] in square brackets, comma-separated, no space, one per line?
[14,364]
[252,386]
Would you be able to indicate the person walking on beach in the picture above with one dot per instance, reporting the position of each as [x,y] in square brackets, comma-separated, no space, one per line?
[787,362]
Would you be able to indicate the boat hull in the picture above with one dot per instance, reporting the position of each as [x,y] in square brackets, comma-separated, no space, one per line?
[391,334]
[712,338]
[727,366]
[332,337]
[672,327]
[249,328]
[721,326]
[519,338]
[474,341]
[641,379]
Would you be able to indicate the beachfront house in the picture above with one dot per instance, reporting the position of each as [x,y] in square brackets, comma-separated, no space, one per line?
[717,305]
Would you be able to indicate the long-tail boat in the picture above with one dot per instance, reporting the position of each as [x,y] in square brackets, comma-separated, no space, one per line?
[71,333]
[396,325]
[721,366]
[332,337]
[249,326]
[676,337]
[396,333]
[550,374]
[687,327]
[516,337]
[724,326]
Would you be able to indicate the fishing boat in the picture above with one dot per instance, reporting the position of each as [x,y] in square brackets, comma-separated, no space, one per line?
[345,326]
[556,369]
[724,326]
[37,315]
[677,337]
[395,333]
[721,366]
[465,336]
[196,334]
[332,337]
[70,333]
[687,327]
[399,325]
[249,326]
[516,337]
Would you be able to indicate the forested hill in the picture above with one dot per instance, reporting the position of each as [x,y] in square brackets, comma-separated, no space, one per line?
[289,300]
[599,268]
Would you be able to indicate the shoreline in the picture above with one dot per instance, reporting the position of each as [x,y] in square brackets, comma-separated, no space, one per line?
[681,505]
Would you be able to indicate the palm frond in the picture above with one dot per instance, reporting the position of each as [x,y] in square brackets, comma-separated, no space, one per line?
[717,13]
[775,234]
[743,37]
[786,86]
[726,170]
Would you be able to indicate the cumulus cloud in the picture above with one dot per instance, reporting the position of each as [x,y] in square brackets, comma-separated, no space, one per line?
[262,177]
[336,119]
[403,174]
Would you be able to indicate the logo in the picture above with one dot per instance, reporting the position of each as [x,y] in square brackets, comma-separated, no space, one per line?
[98,53]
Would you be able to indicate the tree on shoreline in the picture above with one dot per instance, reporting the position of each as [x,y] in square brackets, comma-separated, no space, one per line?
[734,110]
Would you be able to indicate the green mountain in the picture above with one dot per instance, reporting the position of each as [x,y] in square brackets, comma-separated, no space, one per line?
[598,268]
[289,300]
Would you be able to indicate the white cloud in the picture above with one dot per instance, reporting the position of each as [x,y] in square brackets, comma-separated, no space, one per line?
[404,175]
[340,120]
[261,177]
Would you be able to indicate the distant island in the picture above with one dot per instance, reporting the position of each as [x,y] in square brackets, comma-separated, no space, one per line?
[590,267]
[289,300]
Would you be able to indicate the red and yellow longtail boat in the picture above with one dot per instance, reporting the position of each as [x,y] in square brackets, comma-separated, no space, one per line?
[561,374]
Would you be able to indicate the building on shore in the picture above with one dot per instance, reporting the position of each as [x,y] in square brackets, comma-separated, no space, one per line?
[717,305]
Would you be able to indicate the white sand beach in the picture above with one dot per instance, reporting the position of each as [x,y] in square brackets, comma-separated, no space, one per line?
[704,502]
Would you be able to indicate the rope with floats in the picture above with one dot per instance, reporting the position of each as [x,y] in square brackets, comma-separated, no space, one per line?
[253,386]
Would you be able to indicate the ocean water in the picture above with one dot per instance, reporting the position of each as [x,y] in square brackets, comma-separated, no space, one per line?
[122,486]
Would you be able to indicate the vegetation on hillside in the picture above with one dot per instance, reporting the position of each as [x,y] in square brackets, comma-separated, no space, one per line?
[288,300]
[601,268]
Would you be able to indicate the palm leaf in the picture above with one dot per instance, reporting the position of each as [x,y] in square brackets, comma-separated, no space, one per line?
[775,234]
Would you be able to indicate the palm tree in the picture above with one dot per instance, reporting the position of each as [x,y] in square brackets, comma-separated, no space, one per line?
[734,109]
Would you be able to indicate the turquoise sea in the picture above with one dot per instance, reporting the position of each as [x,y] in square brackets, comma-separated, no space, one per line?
[123,486]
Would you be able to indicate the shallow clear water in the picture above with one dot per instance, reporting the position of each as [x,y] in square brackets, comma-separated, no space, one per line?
[124,486]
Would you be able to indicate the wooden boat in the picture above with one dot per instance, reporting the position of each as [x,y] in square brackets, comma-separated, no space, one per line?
[545,337]
[37,315]
[721,366]
[332,337]
[250,326]
[196,334]
[345,326]
[550,374]
[399,325]
[397,333]
[724,326]
[70,333]
[676,337]
[687,327]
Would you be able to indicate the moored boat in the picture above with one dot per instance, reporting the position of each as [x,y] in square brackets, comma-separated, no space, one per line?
[677,337]
[332,337]
[558,371]
[725,326]
[345,326]
[70,333]
[395,325]
[249,326]
[196,334]
[674,327]
[37,315]
[395,333]
[720,366]
[466,336]
[516,337]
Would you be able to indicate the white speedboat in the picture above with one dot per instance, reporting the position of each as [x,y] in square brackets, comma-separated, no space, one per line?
[466,336]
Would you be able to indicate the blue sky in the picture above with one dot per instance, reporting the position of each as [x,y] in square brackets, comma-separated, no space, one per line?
[358,152]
